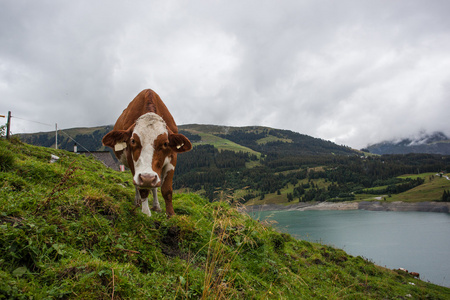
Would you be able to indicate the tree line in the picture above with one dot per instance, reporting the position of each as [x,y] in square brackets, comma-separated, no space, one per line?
[207,168]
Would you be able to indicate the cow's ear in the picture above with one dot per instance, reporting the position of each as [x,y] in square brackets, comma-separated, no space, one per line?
[115,137]
[179,143]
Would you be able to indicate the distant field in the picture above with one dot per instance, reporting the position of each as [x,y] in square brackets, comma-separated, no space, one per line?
[431,190]
[252,164]
[288,171]
[223,144]
[421,175]
[272,138]
[274,198]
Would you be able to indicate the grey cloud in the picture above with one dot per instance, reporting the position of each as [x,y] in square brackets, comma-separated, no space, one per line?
[354,72]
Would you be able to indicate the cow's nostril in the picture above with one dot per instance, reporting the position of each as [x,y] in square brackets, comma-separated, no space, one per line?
[148,180]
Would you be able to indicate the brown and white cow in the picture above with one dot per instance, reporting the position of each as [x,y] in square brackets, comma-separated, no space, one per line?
[145,138]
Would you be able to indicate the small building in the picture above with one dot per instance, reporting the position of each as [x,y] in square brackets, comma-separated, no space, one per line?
[105,157]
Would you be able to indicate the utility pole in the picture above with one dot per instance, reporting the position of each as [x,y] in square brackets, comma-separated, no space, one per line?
[56,135]
[2,116]
[8,125]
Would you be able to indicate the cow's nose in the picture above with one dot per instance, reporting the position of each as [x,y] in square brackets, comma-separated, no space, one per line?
[148,180]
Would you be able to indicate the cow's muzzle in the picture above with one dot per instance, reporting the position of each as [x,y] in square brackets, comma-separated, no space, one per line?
[146,180]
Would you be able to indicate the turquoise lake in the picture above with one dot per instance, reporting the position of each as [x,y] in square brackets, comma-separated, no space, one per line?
[416,241]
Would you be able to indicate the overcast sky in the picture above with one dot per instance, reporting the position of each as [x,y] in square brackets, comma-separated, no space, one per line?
[353,72]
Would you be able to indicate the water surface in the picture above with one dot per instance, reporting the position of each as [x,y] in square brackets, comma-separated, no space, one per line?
[417,241]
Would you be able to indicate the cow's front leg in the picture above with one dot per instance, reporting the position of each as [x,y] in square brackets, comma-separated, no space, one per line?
[166,191]
[137,197]
[155,206]
[143,194]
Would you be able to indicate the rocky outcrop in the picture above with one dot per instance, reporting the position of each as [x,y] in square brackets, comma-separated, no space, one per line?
[405,206]
[363,205]
[303,206]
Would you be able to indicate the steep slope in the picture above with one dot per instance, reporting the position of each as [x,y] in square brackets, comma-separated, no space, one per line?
[69,230]
[436,143]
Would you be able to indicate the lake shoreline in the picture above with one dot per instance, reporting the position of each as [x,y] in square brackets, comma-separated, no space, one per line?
[427,206]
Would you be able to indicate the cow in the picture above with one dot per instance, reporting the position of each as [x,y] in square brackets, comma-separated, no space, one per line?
[145,139]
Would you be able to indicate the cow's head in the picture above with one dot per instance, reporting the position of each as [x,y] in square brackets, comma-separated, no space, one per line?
[148,148]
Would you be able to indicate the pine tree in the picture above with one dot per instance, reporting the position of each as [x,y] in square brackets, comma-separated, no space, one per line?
[446,196]
[290,197]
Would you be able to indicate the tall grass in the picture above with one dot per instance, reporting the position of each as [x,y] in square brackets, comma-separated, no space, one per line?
[6,159]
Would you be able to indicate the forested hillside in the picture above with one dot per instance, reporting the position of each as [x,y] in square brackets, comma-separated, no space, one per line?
[300,178]
[252,163]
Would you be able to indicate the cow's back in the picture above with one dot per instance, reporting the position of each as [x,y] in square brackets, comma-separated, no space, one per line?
[146,101]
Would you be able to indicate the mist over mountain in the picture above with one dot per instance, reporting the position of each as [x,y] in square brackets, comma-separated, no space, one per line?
[434,143]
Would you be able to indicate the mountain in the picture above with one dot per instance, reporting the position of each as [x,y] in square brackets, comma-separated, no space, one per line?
[435,143]
[254,165]
[266,140]
[255,139]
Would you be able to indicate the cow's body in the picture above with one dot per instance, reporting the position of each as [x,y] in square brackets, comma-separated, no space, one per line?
[145,139]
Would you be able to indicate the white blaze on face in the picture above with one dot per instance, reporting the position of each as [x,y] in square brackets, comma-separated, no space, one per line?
[167,168]
[148,128]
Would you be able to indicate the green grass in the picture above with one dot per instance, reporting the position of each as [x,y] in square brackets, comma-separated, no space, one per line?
[223,144]
[271,138]
[274,198]
[70,230]
[431,190]
[421,175]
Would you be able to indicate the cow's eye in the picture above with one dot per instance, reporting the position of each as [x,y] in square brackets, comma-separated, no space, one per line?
[166,144]
[133,142]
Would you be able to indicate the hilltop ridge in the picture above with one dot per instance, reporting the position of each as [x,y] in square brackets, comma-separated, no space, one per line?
[257,138]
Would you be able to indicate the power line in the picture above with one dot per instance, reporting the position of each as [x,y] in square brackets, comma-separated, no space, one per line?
[83,147]
[31,121]
[78,143]
[75,141]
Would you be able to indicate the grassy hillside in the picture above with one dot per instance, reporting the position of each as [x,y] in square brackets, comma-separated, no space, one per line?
[221,143]
[431,190]
[69,230]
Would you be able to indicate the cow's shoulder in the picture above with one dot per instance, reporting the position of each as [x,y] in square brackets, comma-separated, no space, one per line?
[146,101]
